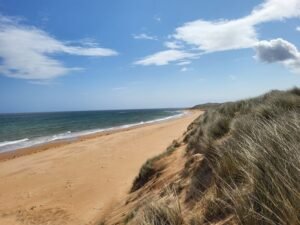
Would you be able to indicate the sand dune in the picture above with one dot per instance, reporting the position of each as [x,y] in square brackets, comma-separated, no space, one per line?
[74,183]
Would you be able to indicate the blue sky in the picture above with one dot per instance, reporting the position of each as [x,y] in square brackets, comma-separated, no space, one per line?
[85,55]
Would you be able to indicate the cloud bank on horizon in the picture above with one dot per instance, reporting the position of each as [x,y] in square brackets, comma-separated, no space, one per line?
[200,37]
[27,52]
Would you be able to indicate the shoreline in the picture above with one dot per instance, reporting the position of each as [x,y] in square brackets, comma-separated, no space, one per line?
[19,152]
[75,183]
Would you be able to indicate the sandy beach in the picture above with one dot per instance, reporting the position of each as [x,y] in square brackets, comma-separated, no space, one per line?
[75,182]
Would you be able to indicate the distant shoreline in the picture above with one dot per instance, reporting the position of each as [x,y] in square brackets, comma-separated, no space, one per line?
[75,182]
[66,126]
[15,153]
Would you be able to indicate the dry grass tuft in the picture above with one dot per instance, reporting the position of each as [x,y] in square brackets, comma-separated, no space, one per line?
[160,210]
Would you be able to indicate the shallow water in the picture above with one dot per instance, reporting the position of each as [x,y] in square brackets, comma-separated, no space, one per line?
[28,129]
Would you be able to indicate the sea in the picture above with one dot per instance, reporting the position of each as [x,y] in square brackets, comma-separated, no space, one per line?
[21,130]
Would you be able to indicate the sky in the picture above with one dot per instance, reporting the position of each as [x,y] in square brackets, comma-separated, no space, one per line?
[65,55]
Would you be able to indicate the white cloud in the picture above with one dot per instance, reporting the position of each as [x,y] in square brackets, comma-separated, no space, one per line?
[165,57]
[182,63]
[172,45]
[27,52]
[272,10]
[223,35]
[217,36]
[281,51]
[211,36]
[298,28]
[144,36]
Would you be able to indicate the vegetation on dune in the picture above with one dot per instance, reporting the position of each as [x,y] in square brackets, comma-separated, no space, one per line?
[149,169]
[242,167]
[206,106]
[160,210]
[253,149]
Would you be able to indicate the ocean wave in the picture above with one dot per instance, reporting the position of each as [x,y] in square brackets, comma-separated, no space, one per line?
[26,142]
[62,136]
[5,143]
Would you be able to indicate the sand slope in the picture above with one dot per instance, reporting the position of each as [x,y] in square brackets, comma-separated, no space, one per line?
[75,183]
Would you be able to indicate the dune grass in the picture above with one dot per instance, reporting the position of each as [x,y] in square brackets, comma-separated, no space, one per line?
[251,169]
[253,149]
[149,169]
[160,211]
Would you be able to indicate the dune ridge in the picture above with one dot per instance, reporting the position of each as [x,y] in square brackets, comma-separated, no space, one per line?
[239,163]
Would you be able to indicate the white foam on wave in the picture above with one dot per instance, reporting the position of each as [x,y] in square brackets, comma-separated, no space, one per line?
[24,143]
[65,135]
[5,143]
